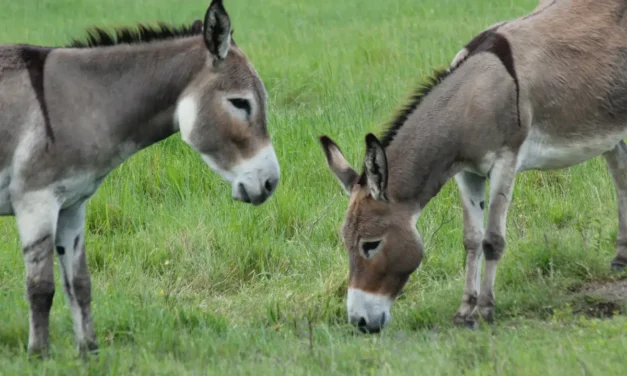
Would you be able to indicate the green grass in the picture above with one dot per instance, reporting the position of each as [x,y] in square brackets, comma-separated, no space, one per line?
[187,281]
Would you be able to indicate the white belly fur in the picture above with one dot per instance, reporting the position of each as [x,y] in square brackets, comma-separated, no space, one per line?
[68,191]
[77,189]
[542,152]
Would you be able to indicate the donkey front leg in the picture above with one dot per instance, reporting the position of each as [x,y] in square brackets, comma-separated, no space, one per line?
[472,190]
[617,164]
[71,250]
[502,179]
[36,214]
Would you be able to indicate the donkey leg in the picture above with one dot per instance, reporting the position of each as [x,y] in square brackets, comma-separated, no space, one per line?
[36,214]
[472,190]
[617,164]
[502,179]
[76,280]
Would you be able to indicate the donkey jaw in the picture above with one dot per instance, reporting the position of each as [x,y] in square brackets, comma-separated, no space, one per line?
[254,180]
[369,312]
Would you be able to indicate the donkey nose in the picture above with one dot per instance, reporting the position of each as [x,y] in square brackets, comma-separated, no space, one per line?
[369,327]
[361,324]
[242,194]
[255,192]
[270,185]
[251,195]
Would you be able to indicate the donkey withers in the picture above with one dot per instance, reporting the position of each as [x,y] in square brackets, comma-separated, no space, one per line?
[545,91]
[68,116]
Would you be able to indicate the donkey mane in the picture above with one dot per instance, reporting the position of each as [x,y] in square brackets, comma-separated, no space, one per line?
[98,37]
[489,41]
[415,100]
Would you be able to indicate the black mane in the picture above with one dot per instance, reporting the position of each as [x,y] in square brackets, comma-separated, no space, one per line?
[414,101]
[487,41]
[97,37]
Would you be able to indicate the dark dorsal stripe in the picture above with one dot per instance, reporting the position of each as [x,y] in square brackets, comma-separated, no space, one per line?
[539,11]
[35,58]
[97,37]
[487,41]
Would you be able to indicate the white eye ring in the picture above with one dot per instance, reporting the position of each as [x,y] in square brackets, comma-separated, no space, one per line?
[369,248]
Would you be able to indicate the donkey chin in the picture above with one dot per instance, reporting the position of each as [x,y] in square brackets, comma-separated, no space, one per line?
[253,180]
[368,311]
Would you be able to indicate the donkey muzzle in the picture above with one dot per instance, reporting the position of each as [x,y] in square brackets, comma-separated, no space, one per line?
[257,178]
[259,195]
[369,312]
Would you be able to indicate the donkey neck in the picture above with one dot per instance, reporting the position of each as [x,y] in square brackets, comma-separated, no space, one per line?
[423,155]
[416,175]
[134,88]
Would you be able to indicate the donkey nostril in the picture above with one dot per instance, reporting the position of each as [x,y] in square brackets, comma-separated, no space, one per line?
[268,186]
[243,193]
[362,325]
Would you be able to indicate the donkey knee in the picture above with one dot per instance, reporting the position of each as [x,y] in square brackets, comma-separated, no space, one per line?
[472,243]
[493,246]
[82,290]
[40,295]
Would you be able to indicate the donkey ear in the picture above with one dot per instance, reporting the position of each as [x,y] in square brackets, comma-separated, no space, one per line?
[338,164]
[217,30]
[376,168]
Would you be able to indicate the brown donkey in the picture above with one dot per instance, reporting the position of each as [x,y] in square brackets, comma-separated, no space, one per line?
[68,116]
[544,91]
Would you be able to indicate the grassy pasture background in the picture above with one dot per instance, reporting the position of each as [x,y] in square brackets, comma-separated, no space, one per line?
[187,281]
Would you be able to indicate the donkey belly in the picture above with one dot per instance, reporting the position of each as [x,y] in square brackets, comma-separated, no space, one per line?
[77,189]
[543,152]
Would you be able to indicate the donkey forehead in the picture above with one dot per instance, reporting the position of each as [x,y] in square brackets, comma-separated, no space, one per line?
[369,217]
[236,72]
[366,215]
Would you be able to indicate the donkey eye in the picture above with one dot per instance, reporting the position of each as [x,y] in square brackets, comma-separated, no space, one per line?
[368,247]
[241,104]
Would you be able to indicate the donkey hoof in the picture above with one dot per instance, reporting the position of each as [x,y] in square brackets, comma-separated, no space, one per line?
[88,350]
[38,352]
[460,319]
[487,313]
[465,322]
[618,267]
[471,324]
[467,319]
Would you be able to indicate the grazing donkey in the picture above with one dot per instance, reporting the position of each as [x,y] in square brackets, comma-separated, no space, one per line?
[68,116]
[544,91]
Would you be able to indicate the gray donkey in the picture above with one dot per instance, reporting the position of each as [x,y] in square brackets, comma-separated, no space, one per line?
[68,116]
[544,91]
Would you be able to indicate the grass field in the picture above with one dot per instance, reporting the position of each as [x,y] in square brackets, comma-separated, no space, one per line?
[187,281]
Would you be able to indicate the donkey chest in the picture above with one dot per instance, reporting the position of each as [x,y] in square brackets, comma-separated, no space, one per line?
[543,152]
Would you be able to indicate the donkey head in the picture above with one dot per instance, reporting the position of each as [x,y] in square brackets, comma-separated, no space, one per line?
[222,114]
[379,234]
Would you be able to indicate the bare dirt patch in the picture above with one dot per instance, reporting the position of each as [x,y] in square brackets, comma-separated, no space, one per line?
[602,299]
[616,289]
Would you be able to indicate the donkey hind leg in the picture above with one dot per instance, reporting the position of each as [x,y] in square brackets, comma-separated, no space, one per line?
[36,214]
[70,246]
[502,179]
[472,190]
[617,164]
